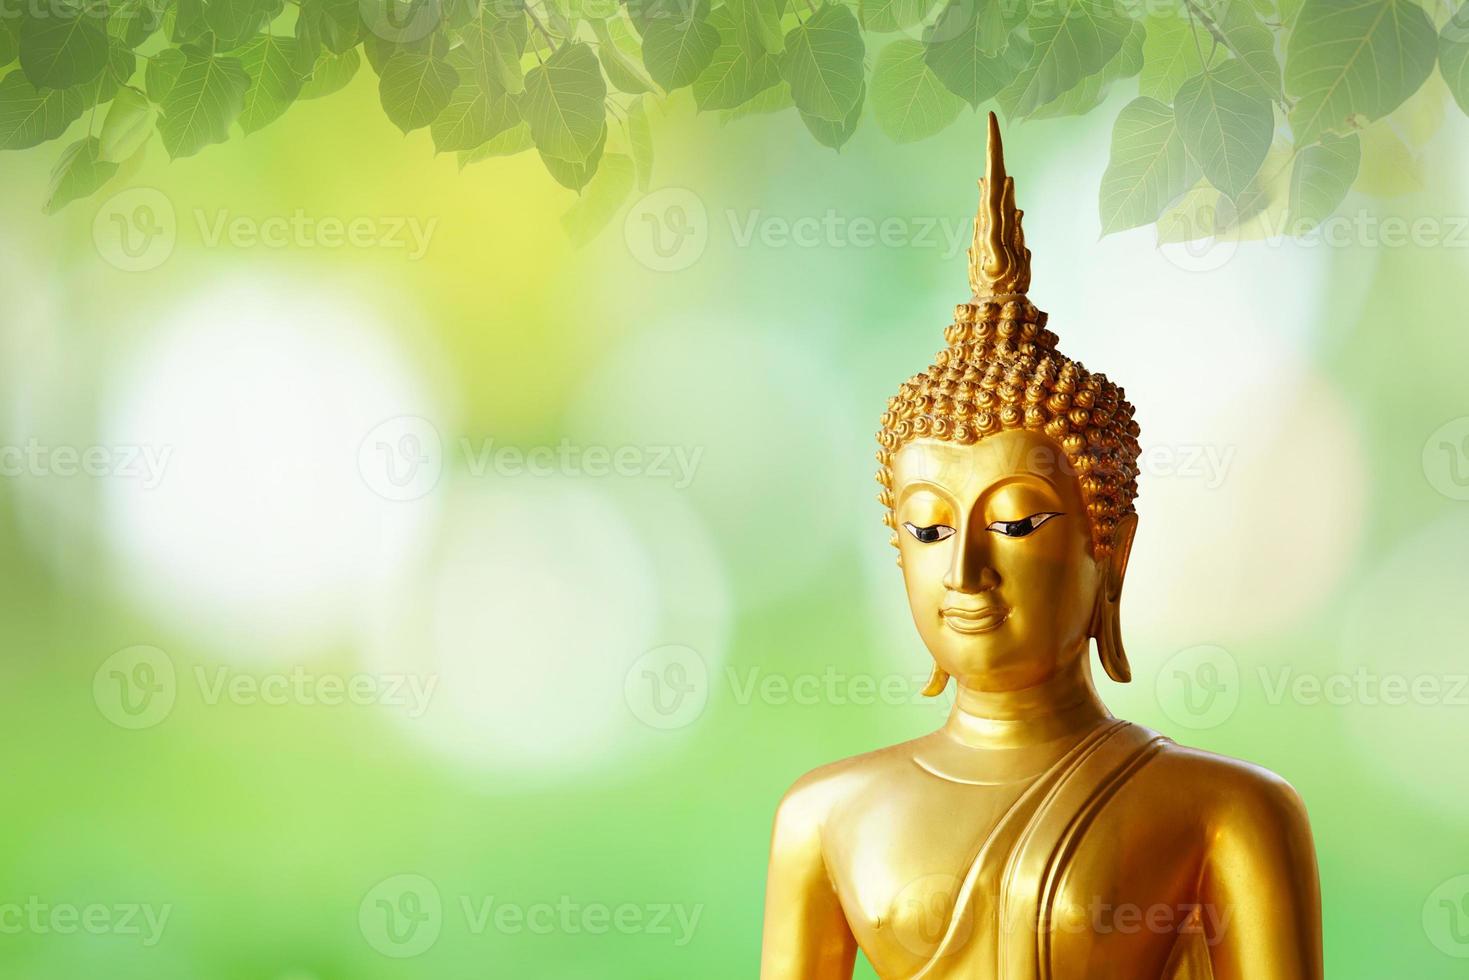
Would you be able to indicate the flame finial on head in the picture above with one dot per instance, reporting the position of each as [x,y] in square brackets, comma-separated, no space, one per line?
[999,262]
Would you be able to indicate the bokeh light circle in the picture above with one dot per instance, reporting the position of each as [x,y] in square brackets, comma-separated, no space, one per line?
[541,597]
[251,522]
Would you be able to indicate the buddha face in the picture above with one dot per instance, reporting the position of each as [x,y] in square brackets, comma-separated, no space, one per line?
[995,553]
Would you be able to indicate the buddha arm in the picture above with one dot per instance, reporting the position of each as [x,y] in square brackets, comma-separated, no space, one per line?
[1261,895]
[806,933]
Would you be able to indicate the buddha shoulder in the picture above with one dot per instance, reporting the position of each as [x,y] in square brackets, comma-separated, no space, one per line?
[1219,794]
[830,789]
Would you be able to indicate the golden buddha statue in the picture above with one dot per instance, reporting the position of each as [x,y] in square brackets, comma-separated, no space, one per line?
[1034,835]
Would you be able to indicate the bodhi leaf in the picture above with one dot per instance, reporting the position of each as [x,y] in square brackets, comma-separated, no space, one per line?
[78,173]
[1453,56]
[1240,31]
[960,57]
[887,16]
[1148,167]
[129,123]
[835,135]
[162,71]
[773,99]
[9,39]
[1226,125]
[1091,91]
[1354,58]
[338,23]
[755,25]
[1320,179]
[185,21]
[986,26]
[478,110]
[331,73]
[1171,55]
[563,103]
[414,88]
[732,78]
[624,74]
[575,174]
[29,117]
[1073,39]
[62,44]
[822,63]
[909,100]
[676,50]
[514,140]
[270,62]
[496,44]
[133,21]
[121,64]
[236,21]
[204,99]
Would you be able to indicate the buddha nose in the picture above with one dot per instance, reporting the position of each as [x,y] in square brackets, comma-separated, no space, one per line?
[971,570]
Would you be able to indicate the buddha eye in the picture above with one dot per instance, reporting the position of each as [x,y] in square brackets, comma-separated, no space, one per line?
[930,534]
[1022,527]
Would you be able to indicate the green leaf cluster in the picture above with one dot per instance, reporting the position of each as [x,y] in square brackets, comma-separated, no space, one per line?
[1221,86]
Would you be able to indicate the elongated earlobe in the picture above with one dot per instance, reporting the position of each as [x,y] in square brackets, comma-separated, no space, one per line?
[937,681]
[1108,633]
[1107,616]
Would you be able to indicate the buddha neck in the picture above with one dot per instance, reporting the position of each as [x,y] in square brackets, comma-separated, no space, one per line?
[1064,706]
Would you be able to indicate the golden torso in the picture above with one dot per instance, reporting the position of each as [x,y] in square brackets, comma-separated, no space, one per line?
[897,838]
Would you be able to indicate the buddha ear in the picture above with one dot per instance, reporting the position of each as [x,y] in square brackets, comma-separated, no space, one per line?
[937,681]
[1121,551]
[1107,619]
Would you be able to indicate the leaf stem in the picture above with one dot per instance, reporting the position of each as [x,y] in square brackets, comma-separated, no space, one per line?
[1220,38]
[551,41]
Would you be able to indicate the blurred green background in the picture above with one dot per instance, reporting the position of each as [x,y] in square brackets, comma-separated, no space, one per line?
[306,678]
